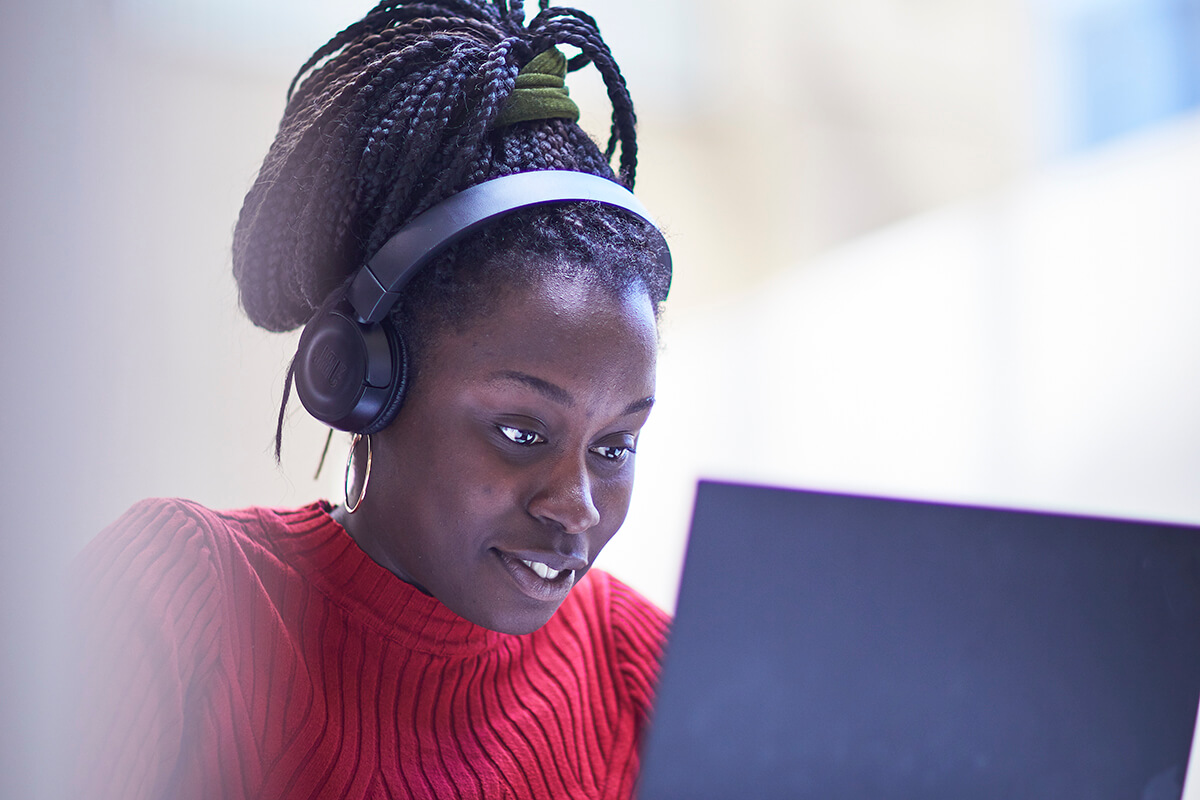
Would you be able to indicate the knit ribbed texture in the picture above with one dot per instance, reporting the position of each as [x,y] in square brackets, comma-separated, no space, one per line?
[261,654]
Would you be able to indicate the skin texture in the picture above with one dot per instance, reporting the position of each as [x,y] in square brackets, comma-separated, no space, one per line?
[515,442]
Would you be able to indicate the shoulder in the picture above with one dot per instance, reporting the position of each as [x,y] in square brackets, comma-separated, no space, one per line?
[152,536]
[173,532]
[162,519]
[635,627]
[156,562]
[173,573]
[600,589]
[632,634]
[173,559]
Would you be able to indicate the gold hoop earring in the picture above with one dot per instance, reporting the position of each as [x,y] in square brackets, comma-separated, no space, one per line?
[351,508]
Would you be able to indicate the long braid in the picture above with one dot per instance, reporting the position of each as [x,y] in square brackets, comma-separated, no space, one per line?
[574,27]
[388,14]
[499,77]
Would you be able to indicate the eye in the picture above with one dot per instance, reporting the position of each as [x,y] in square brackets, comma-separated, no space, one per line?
[611,453]
[522,437]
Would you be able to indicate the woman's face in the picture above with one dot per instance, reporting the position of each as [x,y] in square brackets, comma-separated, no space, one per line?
[510,465]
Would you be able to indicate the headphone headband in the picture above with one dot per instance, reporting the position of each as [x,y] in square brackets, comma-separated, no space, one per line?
[376,287]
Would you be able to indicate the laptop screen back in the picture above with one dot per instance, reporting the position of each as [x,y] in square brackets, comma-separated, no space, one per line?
[833,646]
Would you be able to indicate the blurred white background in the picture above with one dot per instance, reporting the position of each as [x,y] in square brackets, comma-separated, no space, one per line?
[927,248]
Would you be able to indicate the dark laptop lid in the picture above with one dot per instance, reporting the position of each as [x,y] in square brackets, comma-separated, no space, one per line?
[833,646]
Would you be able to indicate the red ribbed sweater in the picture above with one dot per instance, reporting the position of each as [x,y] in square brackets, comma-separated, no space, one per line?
[261,654]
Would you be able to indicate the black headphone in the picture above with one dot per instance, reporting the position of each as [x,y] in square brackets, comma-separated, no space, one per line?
[351,368]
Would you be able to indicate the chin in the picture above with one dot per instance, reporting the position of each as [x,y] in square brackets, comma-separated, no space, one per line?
[517,624]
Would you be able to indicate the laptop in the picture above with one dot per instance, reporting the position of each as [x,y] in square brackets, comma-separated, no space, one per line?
[834,646]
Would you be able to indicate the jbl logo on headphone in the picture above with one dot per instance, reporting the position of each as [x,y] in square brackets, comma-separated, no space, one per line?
[329,366]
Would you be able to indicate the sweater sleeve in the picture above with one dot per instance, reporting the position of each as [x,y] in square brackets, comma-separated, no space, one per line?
[146,621]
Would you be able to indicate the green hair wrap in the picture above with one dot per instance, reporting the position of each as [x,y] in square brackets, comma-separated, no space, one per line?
[541,92]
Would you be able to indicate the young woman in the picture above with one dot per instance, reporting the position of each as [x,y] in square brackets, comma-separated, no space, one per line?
[479,296]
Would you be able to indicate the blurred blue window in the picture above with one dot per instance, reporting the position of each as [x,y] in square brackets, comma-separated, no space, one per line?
[1127,63]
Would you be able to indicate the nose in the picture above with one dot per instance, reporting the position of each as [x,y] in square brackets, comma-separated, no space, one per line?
[565,497]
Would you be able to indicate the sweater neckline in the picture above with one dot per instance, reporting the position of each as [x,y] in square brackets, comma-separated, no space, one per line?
[331,560]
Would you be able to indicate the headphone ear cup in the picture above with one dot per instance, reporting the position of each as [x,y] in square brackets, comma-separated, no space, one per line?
[399,384]
[348,374]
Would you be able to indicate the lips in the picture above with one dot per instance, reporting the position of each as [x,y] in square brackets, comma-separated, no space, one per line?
[545,577]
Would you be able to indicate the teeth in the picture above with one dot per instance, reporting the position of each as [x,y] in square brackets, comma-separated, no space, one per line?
[542,570]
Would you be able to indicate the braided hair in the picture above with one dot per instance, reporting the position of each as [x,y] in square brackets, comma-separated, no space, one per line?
[396,113]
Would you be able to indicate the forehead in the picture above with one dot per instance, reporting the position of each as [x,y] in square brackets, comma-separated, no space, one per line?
[566,327]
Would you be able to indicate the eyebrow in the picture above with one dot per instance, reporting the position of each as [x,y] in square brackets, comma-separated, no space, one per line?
[639,405]
[556,393]
[549,390]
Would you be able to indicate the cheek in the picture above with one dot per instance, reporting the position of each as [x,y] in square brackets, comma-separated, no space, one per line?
[476,501]
[612,498]
[480,491]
